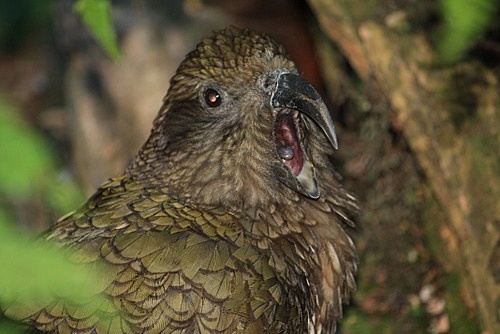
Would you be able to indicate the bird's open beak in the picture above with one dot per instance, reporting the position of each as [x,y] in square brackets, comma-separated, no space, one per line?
[294,92]
[294,95]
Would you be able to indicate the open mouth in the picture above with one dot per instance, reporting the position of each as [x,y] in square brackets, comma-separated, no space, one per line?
[288,140]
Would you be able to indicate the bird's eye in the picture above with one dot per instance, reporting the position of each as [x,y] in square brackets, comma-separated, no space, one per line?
[212,98]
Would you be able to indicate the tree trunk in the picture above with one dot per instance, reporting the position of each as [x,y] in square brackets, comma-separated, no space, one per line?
[449,117]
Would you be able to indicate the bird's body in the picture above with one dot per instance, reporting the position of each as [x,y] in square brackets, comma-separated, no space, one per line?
[230,220]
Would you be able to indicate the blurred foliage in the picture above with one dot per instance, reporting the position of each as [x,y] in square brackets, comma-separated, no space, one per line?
[28,165]
[33,270]
[355,322]
[9,327]
[464,22]
[18,19]
[21,18]
[96,14]
[25,158]
[30,269]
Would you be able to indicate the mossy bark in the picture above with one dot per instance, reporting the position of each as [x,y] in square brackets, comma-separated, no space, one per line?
[450,120]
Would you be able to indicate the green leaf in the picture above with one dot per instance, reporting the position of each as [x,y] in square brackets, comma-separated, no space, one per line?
[25,158]
[33,271]
[10,328]
[62,194]
[96,14]
[464,21]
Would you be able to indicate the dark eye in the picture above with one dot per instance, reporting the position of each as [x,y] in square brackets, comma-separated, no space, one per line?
[212,98]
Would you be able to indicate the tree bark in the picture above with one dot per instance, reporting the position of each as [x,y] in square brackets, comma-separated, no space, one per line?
[449,117]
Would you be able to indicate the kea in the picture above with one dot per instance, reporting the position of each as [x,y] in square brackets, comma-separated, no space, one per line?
[230,219]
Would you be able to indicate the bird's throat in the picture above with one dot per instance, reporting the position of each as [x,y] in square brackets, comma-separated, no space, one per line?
[288,141]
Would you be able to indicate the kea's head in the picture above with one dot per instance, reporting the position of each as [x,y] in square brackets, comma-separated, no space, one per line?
[238,126]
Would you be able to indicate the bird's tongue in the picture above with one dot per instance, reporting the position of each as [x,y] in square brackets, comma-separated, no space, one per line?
[287,143]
